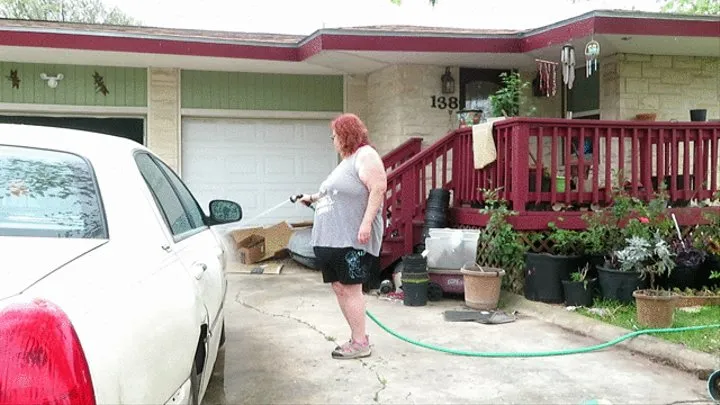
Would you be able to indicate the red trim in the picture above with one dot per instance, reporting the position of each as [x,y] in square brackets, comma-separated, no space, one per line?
[369,42]
[334,42]
[146,45]
[680,28]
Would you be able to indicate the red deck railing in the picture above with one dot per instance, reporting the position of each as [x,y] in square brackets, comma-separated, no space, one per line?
[402,153]
[536,156]
[577,162]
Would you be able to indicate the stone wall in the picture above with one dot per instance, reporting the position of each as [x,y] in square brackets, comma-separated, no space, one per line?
[669,86]
[163,121]
[396,103]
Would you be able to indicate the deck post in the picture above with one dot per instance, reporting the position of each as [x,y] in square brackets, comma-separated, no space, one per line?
[520,170]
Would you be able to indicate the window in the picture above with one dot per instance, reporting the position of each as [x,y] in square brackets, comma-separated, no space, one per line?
[169,203]
[191,206]
[46,193]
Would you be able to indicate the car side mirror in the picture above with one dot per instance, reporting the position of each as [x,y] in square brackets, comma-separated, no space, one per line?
[224,211]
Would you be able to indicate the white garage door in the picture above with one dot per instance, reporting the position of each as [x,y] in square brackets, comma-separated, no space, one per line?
[258,163]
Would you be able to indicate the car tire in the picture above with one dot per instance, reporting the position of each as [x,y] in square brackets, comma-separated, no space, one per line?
[194,383]
[222,336]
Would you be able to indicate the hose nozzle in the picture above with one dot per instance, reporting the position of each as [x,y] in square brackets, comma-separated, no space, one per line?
[294,198]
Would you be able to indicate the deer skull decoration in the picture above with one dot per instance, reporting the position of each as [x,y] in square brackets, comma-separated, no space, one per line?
[52,81]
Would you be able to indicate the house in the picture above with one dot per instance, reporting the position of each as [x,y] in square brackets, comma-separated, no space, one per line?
[245,116]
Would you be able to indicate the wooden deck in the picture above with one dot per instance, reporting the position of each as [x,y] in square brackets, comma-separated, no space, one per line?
[546,168]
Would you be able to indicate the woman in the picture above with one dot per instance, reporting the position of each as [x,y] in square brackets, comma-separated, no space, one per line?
[348,226]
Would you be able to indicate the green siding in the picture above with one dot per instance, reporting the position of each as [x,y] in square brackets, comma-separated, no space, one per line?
[585,94]
[127,86]
[261,91]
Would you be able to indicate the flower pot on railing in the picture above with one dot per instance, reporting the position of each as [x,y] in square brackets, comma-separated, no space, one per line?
[699,114]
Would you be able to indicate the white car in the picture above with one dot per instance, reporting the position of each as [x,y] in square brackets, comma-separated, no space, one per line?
[112,282]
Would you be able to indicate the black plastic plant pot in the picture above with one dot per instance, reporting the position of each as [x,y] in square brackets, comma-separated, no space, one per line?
[579,293]
[544,274]
[619,285]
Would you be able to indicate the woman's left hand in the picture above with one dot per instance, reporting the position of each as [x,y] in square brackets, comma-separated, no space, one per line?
[364,233]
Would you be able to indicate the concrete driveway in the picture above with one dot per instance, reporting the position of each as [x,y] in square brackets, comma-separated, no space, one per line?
[280,332]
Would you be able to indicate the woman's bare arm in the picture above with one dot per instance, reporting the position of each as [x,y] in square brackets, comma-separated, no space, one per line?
[372,173]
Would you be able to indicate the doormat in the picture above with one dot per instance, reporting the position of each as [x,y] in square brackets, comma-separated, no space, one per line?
[485,317]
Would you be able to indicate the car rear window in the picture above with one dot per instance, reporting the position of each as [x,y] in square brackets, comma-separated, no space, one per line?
[47,193]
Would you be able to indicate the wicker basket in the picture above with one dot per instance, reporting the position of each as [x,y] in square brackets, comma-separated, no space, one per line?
[655,309]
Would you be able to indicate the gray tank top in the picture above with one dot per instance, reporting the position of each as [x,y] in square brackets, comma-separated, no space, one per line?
[340,210]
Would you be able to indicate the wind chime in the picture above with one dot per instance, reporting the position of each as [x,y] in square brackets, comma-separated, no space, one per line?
[547,72]
[592,51]
[567,58]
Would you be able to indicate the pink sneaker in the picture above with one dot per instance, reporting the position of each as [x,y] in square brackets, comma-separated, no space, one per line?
[352,350]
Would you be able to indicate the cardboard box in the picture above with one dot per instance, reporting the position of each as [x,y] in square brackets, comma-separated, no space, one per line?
[251,249]
[275,239]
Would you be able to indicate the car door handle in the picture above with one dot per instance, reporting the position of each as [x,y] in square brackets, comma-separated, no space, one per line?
[199,269]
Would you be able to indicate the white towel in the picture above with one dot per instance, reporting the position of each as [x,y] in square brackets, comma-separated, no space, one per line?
[484,151]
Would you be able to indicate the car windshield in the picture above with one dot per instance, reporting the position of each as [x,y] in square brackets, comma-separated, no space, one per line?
[48,193]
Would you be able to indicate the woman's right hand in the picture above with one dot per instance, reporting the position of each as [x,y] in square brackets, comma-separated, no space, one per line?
[306,199]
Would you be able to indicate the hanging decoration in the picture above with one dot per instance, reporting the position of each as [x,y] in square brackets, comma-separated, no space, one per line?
[100,84]
[547,73]
[567,58]
[14,79]
[592,51]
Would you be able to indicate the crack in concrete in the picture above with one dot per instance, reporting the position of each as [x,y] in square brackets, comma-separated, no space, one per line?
[298,320]
[380,378]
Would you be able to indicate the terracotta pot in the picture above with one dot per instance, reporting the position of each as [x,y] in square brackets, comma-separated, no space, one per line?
[482,286]
[655,309]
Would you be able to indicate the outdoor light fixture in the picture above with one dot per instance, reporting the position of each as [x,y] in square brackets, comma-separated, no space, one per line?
[52,81]
[448,83]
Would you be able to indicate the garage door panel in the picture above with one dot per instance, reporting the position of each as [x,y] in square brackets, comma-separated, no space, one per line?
[258,163]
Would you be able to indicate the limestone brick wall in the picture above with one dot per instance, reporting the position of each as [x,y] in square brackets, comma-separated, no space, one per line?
[667,85]
[356,95]
[399,105]
[163,121]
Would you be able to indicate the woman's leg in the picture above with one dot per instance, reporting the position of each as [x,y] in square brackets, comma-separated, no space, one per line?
[352,304]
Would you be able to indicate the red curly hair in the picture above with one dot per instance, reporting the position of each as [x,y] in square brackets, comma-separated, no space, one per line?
[351,133]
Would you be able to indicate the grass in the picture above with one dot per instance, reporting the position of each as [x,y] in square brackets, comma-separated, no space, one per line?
[624,316]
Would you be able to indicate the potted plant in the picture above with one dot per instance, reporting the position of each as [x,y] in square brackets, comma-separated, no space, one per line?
[500,249]
[544,272]
[652,257]
[510,98]
[688,271]
[579,290]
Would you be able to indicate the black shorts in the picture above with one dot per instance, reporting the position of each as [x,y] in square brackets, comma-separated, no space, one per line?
[346,265]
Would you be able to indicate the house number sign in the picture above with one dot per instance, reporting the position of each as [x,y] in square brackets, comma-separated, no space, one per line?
[444,102]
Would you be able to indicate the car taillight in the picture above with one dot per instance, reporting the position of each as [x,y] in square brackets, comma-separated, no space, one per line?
[41,360]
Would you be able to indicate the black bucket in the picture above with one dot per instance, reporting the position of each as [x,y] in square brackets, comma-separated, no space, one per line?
[544,274]
[619,285]
[415,280]
[415,291]
[579,293]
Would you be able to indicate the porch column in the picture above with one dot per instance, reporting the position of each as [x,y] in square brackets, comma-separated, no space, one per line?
[163,121]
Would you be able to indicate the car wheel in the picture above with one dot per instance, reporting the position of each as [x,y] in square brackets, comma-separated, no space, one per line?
[222,335]
[194,384]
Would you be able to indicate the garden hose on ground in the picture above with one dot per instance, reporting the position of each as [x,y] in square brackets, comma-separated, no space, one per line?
[713,383]
[537,354]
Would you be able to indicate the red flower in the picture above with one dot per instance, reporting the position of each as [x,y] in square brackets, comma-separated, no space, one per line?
[644,220]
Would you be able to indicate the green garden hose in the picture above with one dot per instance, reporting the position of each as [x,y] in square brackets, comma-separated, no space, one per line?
[537,354]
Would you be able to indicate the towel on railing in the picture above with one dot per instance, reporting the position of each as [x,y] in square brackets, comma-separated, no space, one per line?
[484,151]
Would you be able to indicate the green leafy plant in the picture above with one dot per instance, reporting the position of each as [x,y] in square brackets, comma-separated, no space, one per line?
[650,257]
[581,275]
[499,245]
[566,242]
[509,99]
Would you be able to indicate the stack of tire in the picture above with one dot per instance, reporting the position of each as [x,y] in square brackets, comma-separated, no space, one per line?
[436,212]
